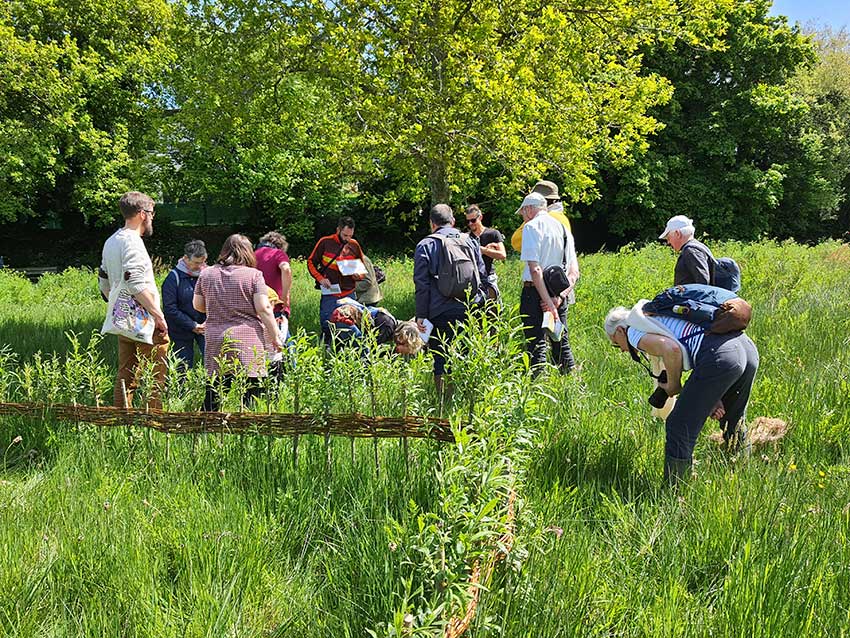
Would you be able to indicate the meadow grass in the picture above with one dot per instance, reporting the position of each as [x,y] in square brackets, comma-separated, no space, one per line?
[102,533]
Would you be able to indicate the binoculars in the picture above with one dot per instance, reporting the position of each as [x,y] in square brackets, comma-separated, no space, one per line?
[658,398]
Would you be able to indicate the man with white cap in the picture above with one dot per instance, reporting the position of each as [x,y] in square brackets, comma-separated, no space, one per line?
[554,207]
[545,242]
[696,263]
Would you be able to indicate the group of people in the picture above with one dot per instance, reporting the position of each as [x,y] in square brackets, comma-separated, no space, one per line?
[236,311]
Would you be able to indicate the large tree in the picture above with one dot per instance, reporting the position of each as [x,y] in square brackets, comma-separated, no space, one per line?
[741,150]
[438,91]
[251,125]
[425,97]
[826,89]
[76,82]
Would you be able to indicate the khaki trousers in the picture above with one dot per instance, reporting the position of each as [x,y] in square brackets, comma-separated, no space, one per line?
[130,354]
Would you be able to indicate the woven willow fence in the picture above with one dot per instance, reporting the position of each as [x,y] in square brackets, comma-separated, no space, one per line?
[481,575]
[276,424]
[283,425]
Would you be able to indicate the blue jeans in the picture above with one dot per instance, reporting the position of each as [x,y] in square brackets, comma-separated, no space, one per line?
[326,307]
[724,370]
[185,348]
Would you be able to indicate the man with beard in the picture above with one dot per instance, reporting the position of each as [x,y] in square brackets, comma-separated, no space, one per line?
[126,259]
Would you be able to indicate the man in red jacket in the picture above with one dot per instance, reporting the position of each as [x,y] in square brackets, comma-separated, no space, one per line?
[324,266]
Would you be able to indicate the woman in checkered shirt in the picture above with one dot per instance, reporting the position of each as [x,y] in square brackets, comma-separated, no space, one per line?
[240,330]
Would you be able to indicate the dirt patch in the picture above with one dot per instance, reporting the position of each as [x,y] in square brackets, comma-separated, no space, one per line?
[763,430]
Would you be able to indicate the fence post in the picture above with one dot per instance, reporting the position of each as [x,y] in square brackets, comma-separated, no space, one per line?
[126,402]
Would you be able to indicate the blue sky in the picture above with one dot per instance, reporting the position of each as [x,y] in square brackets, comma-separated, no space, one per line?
[832,13]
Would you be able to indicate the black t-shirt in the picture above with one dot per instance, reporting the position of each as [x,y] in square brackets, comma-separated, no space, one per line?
[489,236]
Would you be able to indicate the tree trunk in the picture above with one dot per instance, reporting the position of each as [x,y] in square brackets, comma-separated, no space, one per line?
[440,192]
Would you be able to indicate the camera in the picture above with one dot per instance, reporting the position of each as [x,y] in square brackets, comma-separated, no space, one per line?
[658,398]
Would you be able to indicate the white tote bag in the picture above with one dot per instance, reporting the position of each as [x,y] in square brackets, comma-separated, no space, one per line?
[126,317]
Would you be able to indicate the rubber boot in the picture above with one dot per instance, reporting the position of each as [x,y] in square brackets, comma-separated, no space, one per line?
[676,470]
[736,440]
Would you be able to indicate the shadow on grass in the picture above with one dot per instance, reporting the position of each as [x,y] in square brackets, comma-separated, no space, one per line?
[27,336]
[605,464]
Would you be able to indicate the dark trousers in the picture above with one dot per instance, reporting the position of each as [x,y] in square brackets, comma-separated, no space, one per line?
[537,340]
[725,369]
[445,328]
[184,348]
[212,399]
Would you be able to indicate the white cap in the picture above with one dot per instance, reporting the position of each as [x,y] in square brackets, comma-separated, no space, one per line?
[532,199]
[676,223]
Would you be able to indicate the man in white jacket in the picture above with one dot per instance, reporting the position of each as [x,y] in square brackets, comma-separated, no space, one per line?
[125,258]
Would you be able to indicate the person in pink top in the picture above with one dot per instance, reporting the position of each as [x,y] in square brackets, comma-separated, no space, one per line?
[234,296]
[273,262]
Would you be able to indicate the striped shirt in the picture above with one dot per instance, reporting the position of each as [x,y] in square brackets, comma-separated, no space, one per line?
[689,335]
[322,262]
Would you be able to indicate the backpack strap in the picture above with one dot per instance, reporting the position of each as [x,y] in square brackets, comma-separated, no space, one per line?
[324,267]
[642,361]
[566,242]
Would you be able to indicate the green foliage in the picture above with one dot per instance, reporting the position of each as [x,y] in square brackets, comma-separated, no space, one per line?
[437,92]
[76,84]
[106,533]
[744,151]
[250,127]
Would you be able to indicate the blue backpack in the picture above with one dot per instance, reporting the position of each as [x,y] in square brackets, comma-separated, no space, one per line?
[727,274]
[714,309]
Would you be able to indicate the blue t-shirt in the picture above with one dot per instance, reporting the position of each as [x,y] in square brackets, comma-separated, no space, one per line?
[680,328]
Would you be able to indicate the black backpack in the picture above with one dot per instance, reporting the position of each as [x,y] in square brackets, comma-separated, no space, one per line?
[458,269]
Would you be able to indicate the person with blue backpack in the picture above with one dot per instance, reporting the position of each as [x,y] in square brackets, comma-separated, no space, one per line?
[696,263]
[697,328]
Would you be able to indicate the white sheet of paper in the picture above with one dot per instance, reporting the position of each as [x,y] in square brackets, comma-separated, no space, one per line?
[333,290]
[552,325]
[429,328]
[350,267]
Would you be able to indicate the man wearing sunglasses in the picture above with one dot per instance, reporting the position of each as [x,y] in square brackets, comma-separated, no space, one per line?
[492,244]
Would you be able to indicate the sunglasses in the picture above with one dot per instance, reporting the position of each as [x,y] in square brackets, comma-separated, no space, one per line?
[473,220]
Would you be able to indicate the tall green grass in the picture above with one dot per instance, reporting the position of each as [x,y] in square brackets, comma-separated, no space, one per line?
[147,535]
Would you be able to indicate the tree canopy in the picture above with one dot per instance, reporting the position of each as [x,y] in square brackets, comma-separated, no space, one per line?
[639,109]
[76,85]
[744,149]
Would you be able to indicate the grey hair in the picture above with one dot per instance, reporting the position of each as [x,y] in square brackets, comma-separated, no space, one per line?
[194,249]
[615,318]
[278,240]
[688,231]
[442,215]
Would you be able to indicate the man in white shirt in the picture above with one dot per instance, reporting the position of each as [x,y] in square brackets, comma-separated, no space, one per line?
[125,258]
[545,242]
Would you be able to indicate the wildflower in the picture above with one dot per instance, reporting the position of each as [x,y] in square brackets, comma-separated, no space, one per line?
[17,440]
[107,505]
[821,474]
[393,547]
[221,473]
[821,485]
[792,467]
